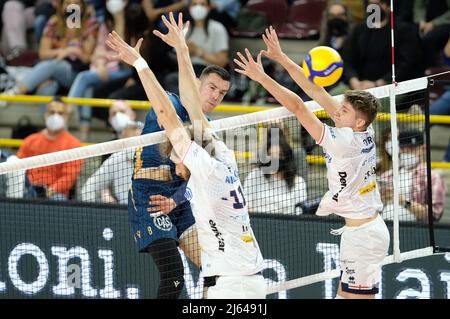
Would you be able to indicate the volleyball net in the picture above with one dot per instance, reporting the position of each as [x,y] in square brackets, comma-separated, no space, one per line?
[65,215]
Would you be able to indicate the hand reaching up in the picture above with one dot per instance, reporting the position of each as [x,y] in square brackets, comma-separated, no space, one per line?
[249,67]
[273,51]
[175,36]
[124,52]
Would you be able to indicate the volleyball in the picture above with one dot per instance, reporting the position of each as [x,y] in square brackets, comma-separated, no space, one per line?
[323,66]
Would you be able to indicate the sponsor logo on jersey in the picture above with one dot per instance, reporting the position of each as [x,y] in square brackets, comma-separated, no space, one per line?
[367,189]
[163,222]
[367,150]
[369,173]
[343,180]
[188,193]
[233,178]
[368,142]
[333,135]
[218,235]
[328,158]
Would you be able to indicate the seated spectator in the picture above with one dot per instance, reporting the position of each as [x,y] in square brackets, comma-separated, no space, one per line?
[207,41]
[110,183]
[368,66]
[442,105]
[413,181]
[55,181]
[154,9]
[102,69]
[12,184]
[65,50]
[274,186]
[334,31]
[433,21]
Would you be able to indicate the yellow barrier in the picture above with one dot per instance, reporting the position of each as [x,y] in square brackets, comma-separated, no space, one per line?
[229,108]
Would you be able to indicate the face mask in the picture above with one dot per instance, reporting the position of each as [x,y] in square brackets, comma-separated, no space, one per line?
[120,121]
[338,27]
[408,160]
[55,122]
[388,148]
[114,6]
[198,12]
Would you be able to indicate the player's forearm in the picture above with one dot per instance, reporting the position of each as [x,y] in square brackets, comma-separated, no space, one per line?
[189,93]
[314,91]
[285,97]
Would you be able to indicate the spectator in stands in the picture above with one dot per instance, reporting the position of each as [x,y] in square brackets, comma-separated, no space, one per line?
[12,184]
[120,115]
[442,105]
[433,21]
[101,69]
[335,28]
[413,180]
[274,186]
[110,183]
[368,66]
[154,9]
[65,49]
[55,181]
[153,50]
[17,17]
[207,41]
[42,12]
[225,12]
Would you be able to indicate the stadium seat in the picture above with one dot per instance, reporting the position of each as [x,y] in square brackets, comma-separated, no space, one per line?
[275,11]
[303,20]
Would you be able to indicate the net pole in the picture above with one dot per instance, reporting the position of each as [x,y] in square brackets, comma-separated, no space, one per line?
[395,148]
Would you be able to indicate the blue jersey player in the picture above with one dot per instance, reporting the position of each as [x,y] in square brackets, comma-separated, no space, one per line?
[156,187]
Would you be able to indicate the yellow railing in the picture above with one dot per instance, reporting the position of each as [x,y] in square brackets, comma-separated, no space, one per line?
[228,108]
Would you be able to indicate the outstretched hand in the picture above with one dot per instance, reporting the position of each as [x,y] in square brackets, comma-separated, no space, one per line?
[175,36]
[273,51]
[249,67]
[124,52]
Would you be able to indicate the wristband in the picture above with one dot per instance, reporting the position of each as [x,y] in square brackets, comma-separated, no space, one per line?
[140,64]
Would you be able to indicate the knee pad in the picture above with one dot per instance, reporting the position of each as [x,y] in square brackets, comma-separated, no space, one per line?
[170,265]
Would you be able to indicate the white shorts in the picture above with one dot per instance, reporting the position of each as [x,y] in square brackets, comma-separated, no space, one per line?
[363,249]
[238,287]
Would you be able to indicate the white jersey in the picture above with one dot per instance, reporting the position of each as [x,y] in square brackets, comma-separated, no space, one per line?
[228,245]
[351,161]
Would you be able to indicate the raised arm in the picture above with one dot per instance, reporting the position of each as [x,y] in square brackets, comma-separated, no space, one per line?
[290,100]
[314,91]
[164,109]
[189,92]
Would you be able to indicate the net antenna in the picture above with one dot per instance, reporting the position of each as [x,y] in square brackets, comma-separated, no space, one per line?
[395,147]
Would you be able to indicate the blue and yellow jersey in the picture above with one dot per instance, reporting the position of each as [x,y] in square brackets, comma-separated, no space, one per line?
[149,157]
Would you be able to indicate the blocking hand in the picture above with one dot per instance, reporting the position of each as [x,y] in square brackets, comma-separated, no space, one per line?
[175,36]
[124,52]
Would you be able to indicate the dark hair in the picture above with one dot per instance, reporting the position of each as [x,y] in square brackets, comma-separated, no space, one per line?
[364,103]
[166,148]
[288,165]
[325,32]
[57,98]
[215,69]
[136,22]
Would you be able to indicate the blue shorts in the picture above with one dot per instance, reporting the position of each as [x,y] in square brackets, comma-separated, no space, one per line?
[146,229]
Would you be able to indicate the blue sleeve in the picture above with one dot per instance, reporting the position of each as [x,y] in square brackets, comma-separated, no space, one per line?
[178,196]
[179,108]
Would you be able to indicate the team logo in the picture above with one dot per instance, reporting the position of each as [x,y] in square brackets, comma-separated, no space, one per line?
[163,222]
[188,193]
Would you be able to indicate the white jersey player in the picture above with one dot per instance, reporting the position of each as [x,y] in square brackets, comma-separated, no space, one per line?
[350,155]
[230,256]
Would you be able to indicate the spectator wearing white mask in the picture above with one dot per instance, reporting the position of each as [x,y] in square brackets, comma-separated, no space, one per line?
[207,40]
[110,182]
[413,180]
[55,181]
[120,115]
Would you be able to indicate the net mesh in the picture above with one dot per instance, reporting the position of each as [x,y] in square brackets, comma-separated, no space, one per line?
[66,227]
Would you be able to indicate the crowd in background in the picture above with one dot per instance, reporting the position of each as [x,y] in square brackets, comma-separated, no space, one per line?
[74,62]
